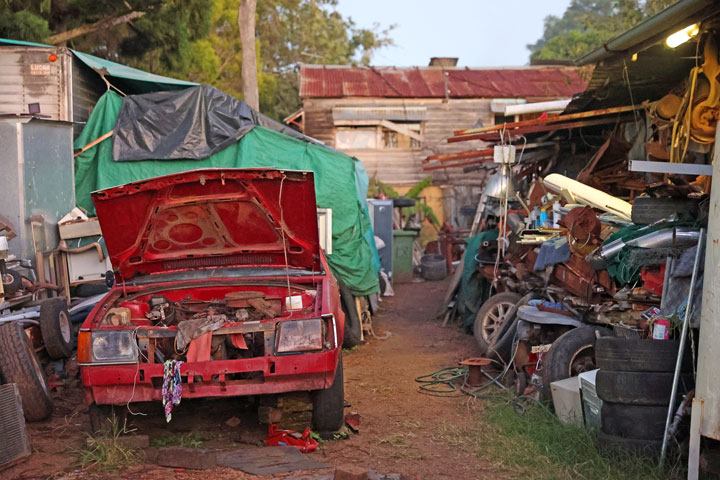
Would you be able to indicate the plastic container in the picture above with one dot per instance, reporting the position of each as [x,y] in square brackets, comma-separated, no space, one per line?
[661,329]
[402,269]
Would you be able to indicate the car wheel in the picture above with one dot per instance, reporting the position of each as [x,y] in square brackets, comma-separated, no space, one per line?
[492,318]
[328,405]
[570,355]
[638,388]
[56,328]
[614,445]
[107,418]
[12,282]
[634,421]
[636,355]
[353,325]
[19,364]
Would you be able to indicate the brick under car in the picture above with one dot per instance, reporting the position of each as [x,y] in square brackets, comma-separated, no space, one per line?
[223,271]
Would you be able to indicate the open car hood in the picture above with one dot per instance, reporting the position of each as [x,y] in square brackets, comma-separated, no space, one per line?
[211,218]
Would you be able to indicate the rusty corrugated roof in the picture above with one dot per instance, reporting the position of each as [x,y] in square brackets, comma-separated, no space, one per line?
[321,81]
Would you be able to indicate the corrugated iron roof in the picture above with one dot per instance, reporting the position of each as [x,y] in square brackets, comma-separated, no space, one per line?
[323,81]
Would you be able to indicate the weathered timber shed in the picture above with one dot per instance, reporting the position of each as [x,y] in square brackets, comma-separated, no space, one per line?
[393,118]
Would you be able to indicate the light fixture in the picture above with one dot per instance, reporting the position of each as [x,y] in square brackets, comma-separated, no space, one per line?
[682,36]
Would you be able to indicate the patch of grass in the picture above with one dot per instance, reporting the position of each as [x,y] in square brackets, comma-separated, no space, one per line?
[536,445]
[351,349]
[190,439]
[105,449]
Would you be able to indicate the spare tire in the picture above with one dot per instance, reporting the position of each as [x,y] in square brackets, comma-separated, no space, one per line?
[634,421]
[12,282]
[20,365]
[619,446]
[647,210]
[636,355]
[433,266]
[570,354]
[638,388]
[56,329]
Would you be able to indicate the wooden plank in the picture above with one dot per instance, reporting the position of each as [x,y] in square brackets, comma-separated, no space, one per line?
[540,128]
[556,119]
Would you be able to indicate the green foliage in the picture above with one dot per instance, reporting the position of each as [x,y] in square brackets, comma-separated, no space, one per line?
[198,40]
[376,188]
[586,24]
[105,449]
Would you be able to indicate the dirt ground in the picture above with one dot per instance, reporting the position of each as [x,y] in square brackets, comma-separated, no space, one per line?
[401,431]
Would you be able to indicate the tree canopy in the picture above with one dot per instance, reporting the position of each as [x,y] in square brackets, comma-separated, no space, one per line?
[586,24]
[199,40]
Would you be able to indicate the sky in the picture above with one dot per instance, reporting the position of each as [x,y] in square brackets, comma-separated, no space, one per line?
[481,33]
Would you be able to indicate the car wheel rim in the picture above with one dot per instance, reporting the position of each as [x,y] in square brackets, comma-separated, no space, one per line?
[65,330]
[582,361]
[8,279]
[36,366]
[494,320]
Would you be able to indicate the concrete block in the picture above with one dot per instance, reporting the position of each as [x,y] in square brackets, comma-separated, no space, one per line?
[269,415]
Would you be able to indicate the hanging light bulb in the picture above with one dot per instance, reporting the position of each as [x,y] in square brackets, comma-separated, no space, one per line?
[682,36]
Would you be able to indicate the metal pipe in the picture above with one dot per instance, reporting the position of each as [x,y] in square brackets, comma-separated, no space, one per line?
[537,107]
[19,316]
[674,17]
[681,347]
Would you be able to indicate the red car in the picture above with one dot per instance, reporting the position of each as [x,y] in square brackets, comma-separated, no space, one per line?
[220,269]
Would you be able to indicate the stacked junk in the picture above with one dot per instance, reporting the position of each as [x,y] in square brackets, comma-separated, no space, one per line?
[587,298]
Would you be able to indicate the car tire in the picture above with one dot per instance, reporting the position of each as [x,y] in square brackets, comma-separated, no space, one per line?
[638,388]
[491,321]
[12,282]
[434,267]
[558,363]
[353,324]
[328,405]
[19,364]
[619,446]
[634,421]
[635,355]
[106,418]
[56,328]
[647,210]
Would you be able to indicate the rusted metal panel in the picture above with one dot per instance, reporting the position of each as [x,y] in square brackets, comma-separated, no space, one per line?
[320,81]
[35,75]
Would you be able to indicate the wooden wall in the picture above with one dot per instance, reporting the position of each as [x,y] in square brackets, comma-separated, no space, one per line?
[404,166]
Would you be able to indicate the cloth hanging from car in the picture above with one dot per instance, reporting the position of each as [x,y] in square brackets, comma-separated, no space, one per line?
[172,387]
[341,182]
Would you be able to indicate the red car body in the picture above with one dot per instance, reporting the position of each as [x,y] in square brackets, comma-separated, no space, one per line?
[204,242]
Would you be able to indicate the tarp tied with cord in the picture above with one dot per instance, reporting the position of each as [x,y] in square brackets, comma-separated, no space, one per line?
[234,141]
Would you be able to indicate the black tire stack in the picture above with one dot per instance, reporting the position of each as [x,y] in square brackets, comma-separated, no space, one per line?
[635,385]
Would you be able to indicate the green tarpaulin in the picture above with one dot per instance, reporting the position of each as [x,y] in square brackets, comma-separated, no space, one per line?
[340,183]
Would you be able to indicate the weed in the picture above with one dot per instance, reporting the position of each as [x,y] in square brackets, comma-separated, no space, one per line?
[105,448]
[351,349]
[185,440]
[536,445]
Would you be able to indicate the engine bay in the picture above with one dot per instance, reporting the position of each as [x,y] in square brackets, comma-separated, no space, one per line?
[180,315]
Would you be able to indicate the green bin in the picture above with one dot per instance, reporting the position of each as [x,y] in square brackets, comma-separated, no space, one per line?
[403,241]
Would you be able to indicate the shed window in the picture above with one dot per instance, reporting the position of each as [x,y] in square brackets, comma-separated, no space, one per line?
[379,135]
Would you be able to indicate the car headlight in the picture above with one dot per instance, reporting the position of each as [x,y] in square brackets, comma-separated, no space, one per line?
[113,346]
[299,336]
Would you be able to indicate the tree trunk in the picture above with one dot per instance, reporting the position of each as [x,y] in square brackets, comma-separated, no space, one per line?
[104,24]
[246,24]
